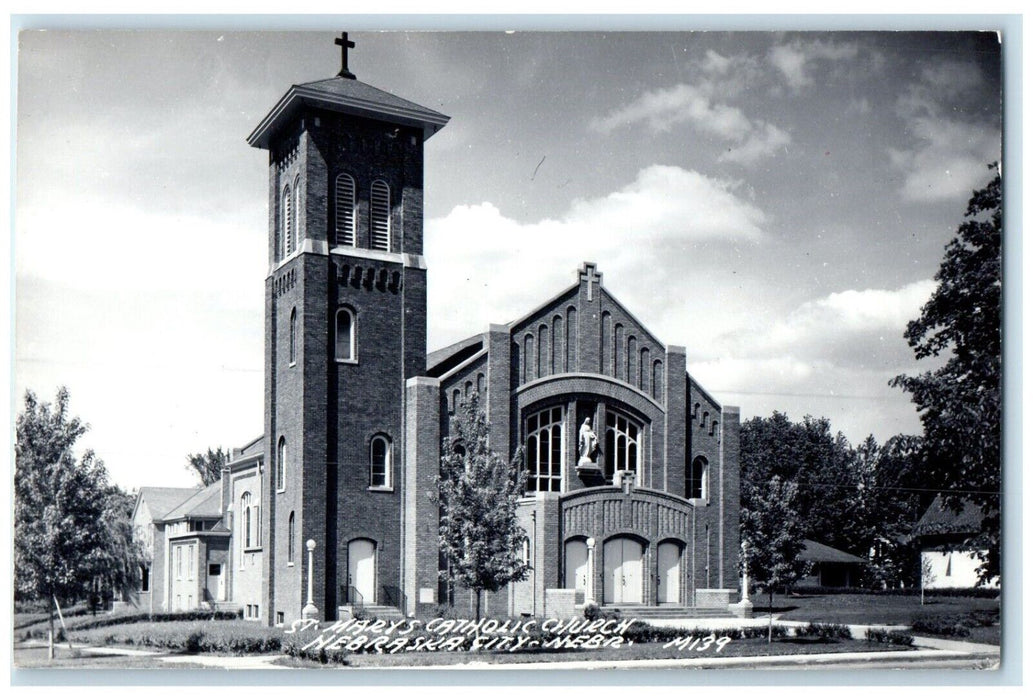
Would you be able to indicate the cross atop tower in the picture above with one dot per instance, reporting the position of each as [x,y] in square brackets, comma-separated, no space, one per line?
[345,45]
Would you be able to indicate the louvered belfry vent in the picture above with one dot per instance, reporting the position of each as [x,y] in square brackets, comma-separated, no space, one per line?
[380,212]
[344,203]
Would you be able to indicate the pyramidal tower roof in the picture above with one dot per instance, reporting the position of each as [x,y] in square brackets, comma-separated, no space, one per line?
[345,94]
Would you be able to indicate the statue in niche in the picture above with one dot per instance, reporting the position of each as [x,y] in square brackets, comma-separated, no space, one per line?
[588,443]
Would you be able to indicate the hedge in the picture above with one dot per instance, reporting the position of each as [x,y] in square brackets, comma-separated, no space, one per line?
[89,622]
[916,592]
[190,636]
[883,636]
[954,625]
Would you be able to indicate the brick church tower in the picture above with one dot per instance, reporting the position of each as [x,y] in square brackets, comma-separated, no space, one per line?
[345,327]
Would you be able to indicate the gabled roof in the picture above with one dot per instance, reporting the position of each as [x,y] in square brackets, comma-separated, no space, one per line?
[818,552]
[255,447]
[206,503]
[160,500]
[346,96]
[939,520]
[440,361]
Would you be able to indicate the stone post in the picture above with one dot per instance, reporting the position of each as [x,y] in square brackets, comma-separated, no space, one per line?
[744,608]
[590,583]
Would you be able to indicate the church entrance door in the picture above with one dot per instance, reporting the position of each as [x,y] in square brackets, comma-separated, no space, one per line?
[362,568]
[622,564]
[668,566]
[577,565]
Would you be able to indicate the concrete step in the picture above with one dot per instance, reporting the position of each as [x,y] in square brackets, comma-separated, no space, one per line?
[658,612]
[378,612]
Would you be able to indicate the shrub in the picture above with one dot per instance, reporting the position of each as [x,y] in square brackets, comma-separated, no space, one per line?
[593,612]
[883,636]
[824,631]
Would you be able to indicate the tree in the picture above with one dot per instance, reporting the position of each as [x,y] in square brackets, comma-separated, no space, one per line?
[773,535]
[807,454]
[208,465]
[64,523]
[478,490]
[960,403]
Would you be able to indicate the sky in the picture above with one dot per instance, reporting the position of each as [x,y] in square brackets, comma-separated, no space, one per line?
[777,203]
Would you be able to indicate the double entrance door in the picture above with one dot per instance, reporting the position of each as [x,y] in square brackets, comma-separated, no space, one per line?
[622,571]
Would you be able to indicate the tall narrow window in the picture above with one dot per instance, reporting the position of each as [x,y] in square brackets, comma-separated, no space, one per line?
[245,519]
[287,212]
[380,462]
[296,215]
[380,215]
[290,538]
[544,450]
[345,335]
[697,486]
[621,449]
[294,336]
[281,464]
[344,209]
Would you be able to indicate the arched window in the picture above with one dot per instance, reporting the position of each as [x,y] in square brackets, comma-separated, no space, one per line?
[296,211]
[713,427]
[706,418]
[571,339]
[544,455]
[697,486]
[658,379]
[557,337]
[380,215]
[287,221]
[525,551]
[247,525]
[644,370]
[695,411]
[632,358]
[345,335]
[622,445]
[344,210]
[618,351]
[543,350]
[290,538]
[528,357]
[380,463]
[294,336]
[281,464]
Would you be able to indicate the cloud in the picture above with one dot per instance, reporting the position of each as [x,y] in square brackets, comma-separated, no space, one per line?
[796,59]
[762,142]
[113,245]
[656,218]
[949,155]
[831,356]
[852,328]
[660,110]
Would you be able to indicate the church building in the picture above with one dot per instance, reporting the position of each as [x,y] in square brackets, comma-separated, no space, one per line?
[632,491]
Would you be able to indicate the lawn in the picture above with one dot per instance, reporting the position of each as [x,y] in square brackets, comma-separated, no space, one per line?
[36,657]
[735,648]
[876,609]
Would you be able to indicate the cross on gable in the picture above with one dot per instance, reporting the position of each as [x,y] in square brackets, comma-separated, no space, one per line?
[345,45]
[589,275]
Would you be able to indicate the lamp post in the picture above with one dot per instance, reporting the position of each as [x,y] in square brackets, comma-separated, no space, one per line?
[310,611]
